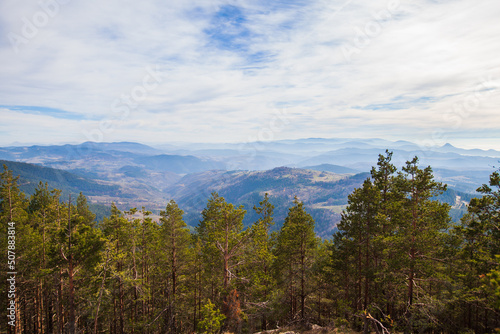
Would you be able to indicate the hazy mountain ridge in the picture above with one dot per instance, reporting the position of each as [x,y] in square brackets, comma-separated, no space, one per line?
[332,168]
[323,193]
[257,155]
[178,164]
[247,188]
[31,175]
[141,175]
[158,168]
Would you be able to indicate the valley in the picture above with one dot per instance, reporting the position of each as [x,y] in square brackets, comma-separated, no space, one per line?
[319,172]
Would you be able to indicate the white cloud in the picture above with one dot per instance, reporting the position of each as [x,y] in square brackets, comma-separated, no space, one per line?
[413,62]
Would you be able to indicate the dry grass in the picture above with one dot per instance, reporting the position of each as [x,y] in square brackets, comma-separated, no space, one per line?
[315,330]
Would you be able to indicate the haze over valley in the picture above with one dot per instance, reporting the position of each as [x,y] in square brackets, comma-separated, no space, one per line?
[320,172]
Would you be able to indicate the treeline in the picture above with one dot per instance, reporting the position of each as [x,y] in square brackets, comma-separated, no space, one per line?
[397,263]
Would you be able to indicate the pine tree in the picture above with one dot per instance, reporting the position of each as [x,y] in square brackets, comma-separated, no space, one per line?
[323,296]
[360,230]
[494,281]
[224,242]
[13,204]
[44,218]
[393,234]
[420,235]
[13,213]
[117,229]
[176,242]
[295,248]
[259,261]
[212,319]
[479,238]
[391,201]
[80,246]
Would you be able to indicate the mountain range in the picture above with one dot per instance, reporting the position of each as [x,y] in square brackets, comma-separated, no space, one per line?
[320,172]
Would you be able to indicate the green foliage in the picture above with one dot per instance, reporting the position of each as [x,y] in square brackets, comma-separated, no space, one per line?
[67,182]
[212,319]
[281,184]
[175,241]
[260,233]
[478,247]
[12,200]
[394,257]
[391,236]
[494,281]
[221,232]
[259,258]
[295,247]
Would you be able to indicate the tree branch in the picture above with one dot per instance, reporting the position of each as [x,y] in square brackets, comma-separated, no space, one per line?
[62,253]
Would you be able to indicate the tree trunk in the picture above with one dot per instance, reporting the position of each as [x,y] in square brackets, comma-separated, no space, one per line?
[225,252]
[411,276]
[121,305]
[367,260]
[100,293]
[71,292]
[302,282]
[174,278]
[71,317]
[49,314]
[60,320]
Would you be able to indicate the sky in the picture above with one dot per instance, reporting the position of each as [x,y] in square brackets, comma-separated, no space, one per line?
[160,72]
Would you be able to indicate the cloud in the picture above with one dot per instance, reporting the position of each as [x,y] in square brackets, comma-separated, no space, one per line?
[394,69]
[51,112]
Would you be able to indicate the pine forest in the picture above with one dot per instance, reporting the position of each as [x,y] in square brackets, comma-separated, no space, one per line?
[396,263]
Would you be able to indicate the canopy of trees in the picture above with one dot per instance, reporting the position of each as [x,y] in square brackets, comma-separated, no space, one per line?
[397,263]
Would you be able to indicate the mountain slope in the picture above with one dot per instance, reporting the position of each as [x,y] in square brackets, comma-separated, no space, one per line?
[178,164]
[31,175]
[146,176]
[323,193]
[332,168]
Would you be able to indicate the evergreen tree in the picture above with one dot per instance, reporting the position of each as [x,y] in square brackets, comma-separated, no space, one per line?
[212,319]
[479,235]
[176,242]
[393,234]
[44,220]
[258,263]
[13,214]
[117,229]
[494,281]
[224,242]
[80,246]
[322,296]
[422,226]
[83,210]
[296,244]
[13,203]
[395,263]
[360,230]
[391,199]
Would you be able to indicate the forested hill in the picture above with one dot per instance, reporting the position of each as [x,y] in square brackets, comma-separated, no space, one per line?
[323,193]
[135,166]
[396,264]
[31,175]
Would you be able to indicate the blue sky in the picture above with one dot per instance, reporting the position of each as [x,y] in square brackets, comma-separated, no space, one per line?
[234,71]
